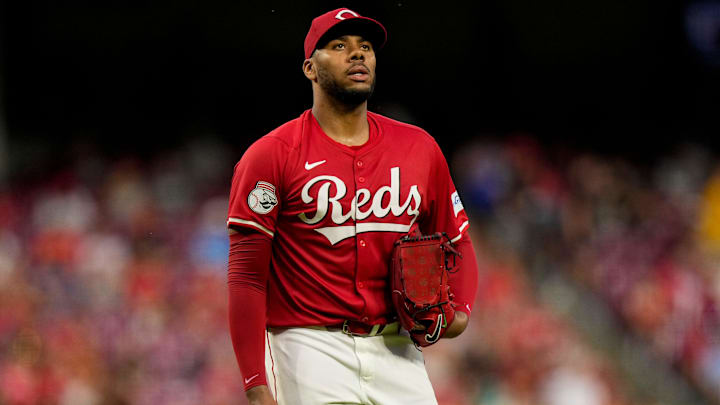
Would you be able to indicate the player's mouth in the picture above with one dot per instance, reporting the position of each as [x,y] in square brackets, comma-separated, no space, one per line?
[358,73]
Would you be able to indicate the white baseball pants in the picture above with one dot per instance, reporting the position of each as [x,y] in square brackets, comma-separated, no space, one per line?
[315,366]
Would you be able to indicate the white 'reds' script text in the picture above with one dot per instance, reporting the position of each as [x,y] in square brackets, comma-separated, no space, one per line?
[363,196]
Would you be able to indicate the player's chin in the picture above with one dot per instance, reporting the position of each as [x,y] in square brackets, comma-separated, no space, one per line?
[357,86]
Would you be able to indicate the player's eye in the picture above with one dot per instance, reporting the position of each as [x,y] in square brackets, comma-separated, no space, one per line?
[365,47]
[339,46]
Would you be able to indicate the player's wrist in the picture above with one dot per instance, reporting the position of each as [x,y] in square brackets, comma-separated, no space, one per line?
[458,325]
[259,395]
[256,380]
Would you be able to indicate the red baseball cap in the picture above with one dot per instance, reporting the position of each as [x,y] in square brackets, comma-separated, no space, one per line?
[349,22]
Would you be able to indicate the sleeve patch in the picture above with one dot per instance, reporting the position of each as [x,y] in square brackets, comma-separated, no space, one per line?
[456,203]
[262,198]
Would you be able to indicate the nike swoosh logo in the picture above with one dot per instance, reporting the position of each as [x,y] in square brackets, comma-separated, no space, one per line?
[436,333]
[247,380]
[310,166]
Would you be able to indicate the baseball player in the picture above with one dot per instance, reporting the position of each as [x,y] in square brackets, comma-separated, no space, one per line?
[315,208]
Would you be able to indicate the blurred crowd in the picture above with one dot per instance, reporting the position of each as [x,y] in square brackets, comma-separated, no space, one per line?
[643,237]
[113,283]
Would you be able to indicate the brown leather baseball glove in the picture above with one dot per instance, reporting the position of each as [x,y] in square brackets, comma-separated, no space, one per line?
[419,280]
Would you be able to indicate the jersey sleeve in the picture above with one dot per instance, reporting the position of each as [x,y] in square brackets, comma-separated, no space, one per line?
[256,191]
[447,213]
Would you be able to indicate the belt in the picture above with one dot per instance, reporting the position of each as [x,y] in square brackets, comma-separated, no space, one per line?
[357,328]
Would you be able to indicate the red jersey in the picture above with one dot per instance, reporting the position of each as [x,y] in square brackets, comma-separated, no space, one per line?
[335,211]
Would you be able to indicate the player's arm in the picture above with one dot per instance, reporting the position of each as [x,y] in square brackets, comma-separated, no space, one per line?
[463,284]
[458,325]
[248,268]
[255,200]
[448,215]
[260,395]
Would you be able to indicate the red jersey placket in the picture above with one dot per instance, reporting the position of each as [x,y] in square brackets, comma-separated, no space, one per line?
[361,242]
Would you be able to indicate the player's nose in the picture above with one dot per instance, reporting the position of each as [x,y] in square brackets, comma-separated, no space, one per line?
[356,53]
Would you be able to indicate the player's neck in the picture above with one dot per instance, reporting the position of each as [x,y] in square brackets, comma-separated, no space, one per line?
[345,125]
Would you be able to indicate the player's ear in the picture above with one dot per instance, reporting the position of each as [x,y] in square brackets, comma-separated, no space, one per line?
[309,69]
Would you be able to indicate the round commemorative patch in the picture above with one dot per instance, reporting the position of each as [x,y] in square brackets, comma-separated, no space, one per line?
[262,198]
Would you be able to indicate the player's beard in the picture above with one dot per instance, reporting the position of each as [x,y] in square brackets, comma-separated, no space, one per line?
[349,97]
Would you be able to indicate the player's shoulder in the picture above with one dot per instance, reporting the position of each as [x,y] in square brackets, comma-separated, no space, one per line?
[288,132]
[282,138]
[404,131]
[388,123]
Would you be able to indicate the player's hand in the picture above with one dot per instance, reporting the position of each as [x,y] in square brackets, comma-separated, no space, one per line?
[458,325]
[260,395]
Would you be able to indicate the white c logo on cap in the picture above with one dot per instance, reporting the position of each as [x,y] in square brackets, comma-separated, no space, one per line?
[339,15]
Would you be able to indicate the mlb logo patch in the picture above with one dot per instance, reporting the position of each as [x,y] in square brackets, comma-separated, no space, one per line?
[456,203]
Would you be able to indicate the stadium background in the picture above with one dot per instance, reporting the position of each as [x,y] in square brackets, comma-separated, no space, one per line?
[582,137]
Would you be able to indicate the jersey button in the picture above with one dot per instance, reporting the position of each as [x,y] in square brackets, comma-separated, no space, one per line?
[361,284]
[361,179]
[365,319]
[360,163]
[362,242]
